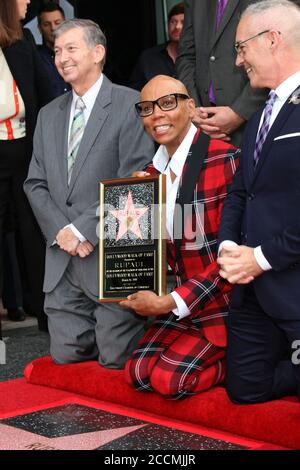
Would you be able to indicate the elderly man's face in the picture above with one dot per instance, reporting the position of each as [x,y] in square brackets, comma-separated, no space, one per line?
[76,61]
[253,52]
[168,127]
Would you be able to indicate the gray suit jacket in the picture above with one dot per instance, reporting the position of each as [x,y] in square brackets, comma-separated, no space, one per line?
[114,144]
[206,56]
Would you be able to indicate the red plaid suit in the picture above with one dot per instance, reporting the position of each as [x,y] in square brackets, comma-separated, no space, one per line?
[180,357]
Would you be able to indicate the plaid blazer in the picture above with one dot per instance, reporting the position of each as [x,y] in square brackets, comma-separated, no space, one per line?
[205,180]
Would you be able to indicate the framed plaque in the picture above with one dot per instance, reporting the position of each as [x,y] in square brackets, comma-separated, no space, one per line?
[132,242]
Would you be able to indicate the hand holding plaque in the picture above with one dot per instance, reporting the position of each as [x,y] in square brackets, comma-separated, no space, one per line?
[132,255]
[147,303]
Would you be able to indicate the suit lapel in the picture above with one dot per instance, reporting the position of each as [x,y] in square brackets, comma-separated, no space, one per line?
[251,145]
[229,10]
[61,131]
[280,120]
[192,168]
[190,176]
[95,123]
[207,13]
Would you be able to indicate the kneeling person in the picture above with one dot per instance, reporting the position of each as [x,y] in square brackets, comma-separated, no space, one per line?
[183,351]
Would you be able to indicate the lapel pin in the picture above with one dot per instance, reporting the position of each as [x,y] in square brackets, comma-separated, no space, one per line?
[294,99]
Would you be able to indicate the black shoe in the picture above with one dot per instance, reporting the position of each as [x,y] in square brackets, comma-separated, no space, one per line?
[29,311]
[43,324]
[16,314]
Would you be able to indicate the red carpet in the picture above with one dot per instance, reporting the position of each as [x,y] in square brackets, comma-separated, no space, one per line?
[18,397]
[277,422]
[20,427]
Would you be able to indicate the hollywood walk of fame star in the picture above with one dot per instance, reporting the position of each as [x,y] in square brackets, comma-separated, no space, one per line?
[128,218]
[12,438]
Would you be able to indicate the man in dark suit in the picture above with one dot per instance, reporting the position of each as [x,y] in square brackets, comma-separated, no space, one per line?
[81,138]
[260,230]
[206,65]
[183,351]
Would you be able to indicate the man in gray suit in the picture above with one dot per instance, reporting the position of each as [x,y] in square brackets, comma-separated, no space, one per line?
[87,135]
[206,65]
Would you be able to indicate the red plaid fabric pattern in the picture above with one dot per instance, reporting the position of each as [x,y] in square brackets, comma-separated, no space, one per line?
[196,270]
[175,360]
[173,355]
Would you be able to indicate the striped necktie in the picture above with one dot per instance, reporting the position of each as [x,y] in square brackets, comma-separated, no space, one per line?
[76,133]
[264,128]
[220,11]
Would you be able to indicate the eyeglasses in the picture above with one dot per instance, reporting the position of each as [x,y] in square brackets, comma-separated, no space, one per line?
[165,103]
[239,49]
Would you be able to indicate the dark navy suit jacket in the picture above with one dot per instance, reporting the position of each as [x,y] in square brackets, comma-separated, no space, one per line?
[263,208]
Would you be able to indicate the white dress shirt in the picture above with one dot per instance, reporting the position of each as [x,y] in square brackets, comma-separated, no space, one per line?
[283,91]
[164,164]
[89,99]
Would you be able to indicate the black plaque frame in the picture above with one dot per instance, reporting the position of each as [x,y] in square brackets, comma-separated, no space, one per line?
[132,263]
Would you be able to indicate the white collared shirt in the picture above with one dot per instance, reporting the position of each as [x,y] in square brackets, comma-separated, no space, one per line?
[163,163]
[89,99]
[283,91]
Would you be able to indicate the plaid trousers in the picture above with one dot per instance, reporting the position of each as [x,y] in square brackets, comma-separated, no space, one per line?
[175,359]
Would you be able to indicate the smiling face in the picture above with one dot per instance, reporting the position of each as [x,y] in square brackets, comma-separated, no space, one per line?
[22,8]
[78,63]
[255,54]
[168,127]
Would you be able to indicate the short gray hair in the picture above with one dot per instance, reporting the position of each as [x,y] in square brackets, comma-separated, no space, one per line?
[289,22]
[93,35]
[264,5]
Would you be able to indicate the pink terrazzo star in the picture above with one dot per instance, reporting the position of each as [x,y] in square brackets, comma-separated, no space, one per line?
[12,438]
[128,218]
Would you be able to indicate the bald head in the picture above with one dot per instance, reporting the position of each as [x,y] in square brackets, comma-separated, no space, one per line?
[171,118]
[162,85]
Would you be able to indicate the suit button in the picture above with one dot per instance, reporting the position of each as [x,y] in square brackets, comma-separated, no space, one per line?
[69,204]
[251,197]
[212,58]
